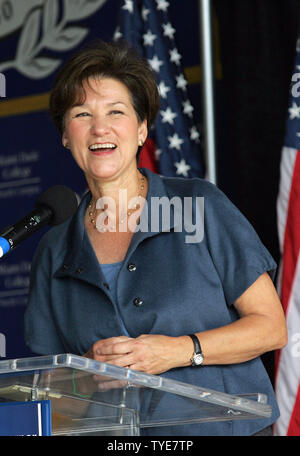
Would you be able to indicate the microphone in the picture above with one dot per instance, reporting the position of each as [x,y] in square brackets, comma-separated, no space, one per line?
[52,207]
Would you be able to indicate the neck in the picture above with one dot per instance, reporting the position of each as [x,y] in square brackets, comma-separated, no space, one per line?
[112,187]
[118,198]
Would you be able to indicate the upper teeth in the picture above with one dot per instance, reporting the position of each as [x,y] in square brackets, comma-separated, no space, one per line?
[102,146]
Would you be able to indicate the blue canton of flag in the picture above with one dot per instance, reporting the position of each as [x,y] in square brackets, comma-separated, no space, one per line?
[146,25]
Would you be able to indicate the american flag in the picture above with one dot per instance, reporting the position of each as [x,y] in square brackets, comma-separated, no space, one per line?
[173,147]
[287,382]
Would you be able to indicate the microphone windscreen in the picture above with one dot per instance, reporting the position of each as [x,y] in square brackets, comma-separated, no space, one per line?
[61,200]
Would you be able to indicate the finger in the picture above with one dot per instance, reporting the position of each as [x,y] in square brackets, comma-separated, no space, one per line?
[116,347]
[120,361]
[99,344]
[105,358]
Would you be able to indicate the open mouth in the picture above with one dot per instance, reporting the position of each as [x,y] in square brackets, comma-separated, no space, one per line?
[102,148]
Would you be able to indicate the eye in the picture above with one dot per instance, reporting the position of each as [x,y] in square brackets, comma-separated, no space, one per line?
[82,114]
[116,112]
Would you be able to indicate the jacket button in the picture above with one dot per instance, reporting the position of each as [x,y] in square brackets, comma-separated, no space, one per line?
[137,302]
[131,267]
[66,266]
[79,270]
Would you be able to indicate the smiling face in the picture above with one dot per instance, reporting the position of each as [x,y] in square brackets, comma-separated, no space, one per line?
[103,133]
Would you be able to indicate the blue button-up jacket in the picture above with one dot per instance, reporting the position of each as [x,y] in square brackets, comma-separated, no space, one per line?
[166,285]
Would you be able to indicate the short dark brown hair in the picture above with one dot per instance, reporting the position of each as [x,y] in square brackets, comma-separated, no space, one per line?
[105,60]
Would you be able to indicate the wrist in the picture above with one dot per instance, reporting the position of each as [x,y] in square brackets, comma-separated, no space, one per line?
[184,351]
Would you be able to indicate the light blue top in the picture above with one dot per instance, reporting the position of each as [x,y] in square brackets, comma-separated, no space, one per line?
[111,272]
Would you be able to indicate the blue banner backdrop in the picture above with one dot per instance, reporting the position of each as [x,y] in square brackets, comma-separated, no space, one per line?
[36,37]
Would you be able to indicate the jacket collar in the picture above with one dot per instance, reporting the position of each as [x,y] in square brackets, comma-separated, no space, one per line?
[80,259]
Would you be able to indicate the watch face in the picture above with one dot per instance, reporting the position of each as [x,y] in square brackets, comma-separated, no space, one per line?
[198,359]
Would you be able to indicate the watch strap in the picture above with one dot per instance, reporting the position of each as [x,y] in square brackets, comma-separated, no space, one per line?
[197,346]
[197,358]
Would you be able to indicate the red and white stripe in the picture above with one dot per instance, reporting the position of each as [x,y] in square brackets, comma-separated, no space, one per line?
[287,382]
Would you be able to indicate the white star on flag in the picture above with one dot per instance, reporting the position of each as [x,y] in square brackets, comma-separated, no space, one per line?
[149,38]
[181,82]
[182,168]
[145,13]
[175,142]
[117,34]
[162,5]
[157,153]
[163,89]
[169,31]
[128,6]
[294,111]
[175,56]
[195,136]
[187,108]
[155,63]
[168,116]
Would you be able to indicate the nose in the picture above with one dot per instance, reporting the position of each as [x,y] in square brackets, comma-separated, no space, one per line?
[99,125]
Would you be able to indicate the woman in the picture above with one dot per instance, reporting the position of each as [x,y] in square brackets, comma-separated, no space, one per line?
[200,312]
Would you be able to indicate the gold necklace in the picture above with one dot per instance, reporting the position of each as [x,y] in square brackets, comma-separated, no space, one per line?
[92,208]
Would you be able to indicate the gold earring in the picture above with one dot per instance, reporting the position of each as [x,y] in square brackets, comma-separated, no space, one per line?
[67,146]
[141,143]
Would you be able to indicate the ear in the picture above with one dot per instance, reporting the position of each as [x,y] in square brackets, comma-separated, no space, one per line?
[143,131]
[65,141]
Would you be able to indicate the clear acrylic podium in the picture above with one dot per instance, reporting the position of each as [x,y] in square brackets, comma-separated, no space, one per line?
[93,398]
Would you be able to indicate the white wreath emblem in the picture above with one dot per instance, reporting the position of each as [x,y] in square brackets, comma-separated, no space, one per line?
[44,30]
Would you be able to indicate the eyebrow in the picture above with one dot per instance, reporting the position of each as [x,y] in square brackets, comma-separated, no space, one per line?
[113,103]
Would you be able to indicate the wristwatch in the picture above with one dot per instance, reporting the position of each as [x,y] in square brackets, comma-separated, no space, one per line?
[197,358]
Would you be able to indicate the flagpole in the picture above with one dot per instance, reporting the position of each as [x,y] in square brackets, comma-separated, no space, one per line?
[208,88]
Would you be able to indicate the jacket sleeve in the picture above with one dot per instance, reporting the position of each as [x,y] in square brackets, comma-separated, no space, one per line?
[40,330]
[235,248]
